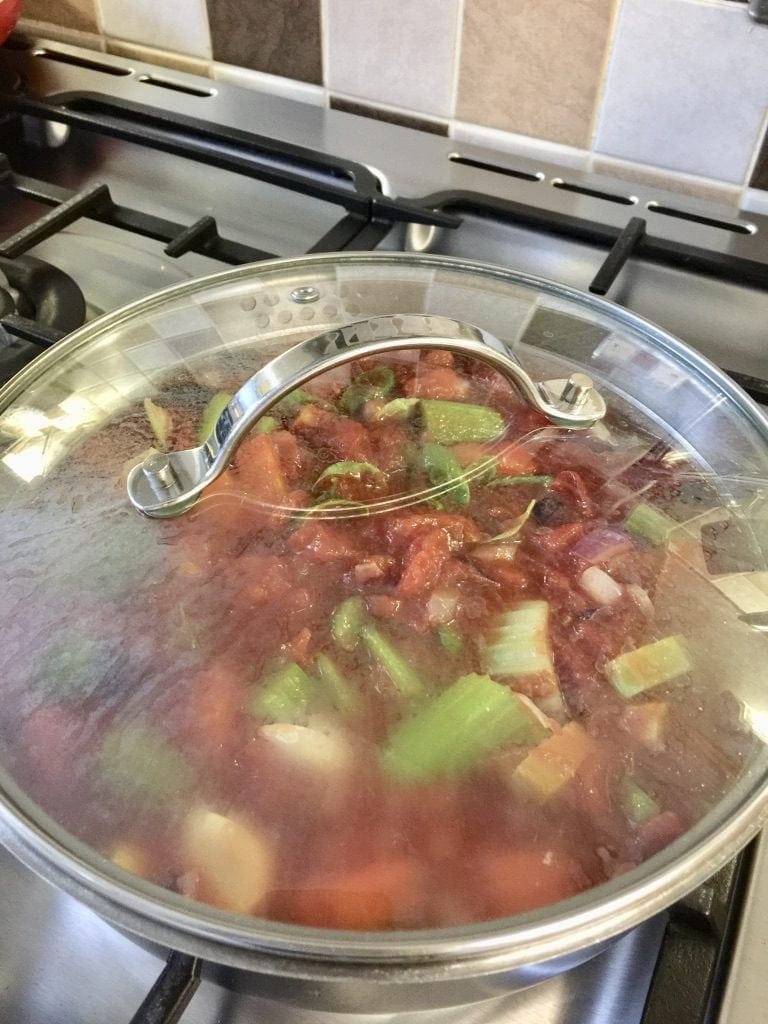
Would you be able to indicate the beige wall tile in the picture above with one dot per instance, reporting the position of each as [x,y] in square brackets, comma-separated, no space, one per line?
[29,29]
[77,14]
[534,66]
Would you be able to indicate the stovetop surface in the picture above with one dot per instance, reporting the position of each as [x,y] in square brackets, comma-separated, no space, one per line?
[58,961]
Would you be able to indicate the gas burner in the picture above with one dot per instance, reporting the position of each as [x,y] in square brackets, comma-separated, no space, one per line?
[32,288]
[33,291]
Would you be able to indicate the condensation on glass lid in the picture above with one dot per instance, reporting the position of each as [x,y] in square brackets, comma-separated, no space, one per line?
[411,627]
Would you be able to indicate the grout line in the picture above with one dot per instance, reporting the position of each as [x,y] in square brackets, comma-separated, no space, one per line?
[363,101]
[100,18]
[324,48]
[610,43]
[762,140]
[457,44]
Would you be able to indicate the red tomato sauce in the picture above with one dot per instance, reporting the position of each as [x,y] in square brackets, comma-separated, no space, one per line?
[179,754]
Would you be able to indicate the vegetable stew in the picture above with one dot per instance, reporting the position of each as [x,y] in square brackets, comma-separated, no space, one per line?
[401,666]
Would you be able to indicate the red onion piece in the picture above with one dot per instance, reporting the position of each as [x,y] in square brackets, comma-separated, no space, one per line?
[601,544]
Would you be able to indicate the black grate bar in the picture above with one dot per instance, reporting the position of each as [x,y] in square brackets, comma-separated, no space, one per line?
[341,235]
[353,233]
[170,995]
[755,387]
[723,265]
[337,181]
[31,330]
[620,252]
[145,224]
[88,202]
[203,232]
[370,236]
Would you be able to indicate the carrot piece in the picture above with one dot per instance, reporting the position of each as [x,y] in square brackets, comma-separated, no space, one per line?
[521,880]
[514,460]
[215,709]
[259,471]
[369,899]
[510,459]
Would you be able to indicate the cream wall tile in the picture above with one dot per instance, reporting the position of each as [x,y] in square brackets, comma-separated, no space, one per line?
[687,87]
[398,52]
[275,85]
[166,26]
[534,66]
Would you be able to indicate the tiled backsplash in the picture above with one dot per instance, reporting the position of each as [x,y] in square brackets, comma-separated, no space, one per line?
[635,87]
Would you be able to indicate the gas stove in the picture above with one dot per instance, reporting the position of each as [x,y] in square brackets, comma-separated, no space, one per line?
[117,180]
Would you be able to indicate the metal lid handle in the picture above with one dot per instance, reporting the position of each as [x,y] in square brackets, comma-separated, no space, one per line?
[167,485]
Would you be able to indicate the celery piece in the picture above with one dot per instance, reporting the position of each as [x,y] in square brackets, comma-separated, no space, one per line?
[347,468]
[443,469]
[347,621]
[399,408]
[141,764]
[482,471]
[211,413]
[553,763]
[159,420]
[638,805]
[284,695]
[512,531]
[469,720]
[451,639]
[518,644]
[287,406]
[406,681]
[513,481]
[341,693]
[649,523]
[375,383]
[265,425]
[457,422]
[649,666]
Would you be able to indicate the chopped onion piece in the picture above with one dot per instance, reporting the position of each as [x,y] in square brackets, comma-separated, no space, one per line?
[441,606]
[641,599]
[601,544]
[315,749]
[495,552]
[230,862]
[599,585]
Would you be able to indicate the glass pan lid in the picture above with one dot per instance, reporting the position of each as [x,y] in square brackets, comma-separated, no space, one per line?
[105,631]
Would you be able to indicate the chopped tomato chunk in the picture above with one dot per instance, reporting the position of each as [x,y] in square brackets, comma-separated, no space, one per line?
[344,438]
[425,558]
[323,542]
[438,382]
